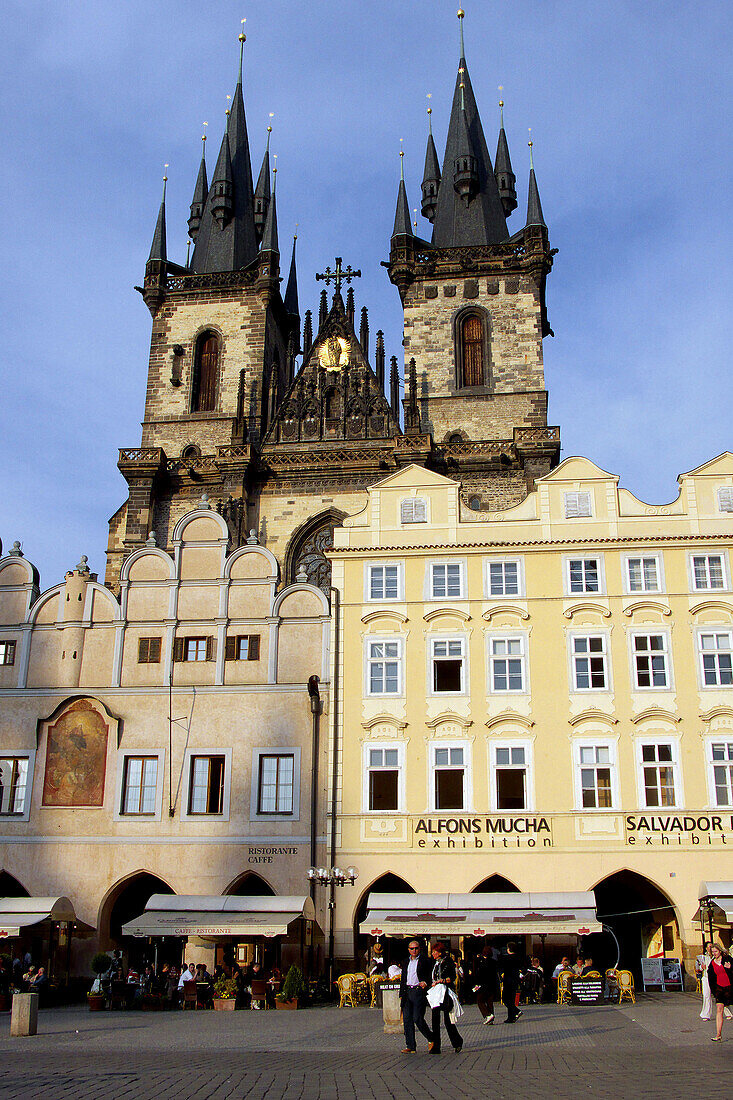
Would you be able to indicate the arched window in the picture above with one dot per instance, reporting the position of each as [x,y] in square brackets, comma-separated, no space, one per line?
[472,351]
[205,373]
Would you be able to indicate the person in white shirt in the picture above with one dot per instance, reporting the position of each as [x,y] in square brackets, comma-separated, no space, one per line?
[187,975]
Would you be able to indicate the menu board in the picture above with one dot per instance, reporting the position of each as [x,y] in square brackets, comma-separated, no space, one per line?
[672,975]
[586,991]
[652,974]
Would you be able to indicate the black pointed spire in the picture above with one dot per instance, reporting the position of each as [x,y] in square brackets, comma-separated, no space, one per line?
[307,334]
[431,175]
[262,190]
[379,360]
[222,186]
[465,164]
[322,310]
[402,223]
[291,291]
[534,206]
[364,332]
[200,194]
[505,178]
[227,239]
[350,307]
[480,221]
[394,387]
[158,248]
[269,235]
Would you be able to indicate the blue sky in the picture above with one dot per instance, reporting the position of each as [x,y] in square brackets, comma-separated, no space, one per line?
[629,108]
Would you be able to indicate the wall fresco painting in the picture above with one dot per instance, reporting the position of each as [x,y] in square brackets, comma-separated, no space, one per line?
[76,757]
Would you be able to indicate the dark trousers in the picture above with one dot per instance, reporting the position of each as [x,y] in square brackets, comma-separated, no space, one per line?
[485,1000]
[509,999]
[452,1030]
[413,1016]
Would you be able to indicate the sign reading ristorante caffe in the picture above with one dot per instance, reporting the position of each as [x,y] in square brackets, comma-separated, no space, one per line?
[495,831]
[679,830]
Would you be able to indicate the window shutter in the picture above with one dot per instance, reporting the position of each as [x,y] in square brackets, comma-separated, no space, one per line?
[143,648]
[210,648]
[253,648]
[473,352]
[154,647]
[230,653]
[10,653]
[178,649]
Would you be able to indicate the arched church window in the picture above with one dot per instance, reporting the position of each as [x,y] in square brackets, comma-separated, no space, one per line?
[205,373]
[472,351]
[307,551]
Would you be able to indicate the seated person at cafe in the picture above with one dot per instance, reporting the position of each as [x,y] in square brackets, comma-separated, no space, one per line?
[577,968]
[564,964]
[188,974]
[39,984]
[587,967]
[533,983]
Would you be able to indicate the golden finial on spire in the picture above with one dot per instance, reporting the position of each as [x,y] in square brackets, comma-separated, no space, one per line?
[414,210]
[229,102]
[461,13]
[530,143]
[269,131]
[274,173]
[203,136]
[402,161]
[295,234]
[501,104]
[188,252]
[165,180]
[242,35]
[242,40]
[430,112]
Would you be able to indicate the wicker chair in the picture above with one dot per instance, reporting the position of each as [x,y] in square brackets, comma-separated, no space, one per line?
[347,990]
[625,980]
[190,995]
[563,987]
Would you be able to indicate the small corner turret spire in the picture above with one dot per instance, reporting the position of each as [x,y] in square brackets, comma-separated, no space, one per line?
[158,248]
[291,292]
[466,180]
[402,224]
[200,193]
[431,175]
[534,206]
[505,178]
[269,235]
[262,190]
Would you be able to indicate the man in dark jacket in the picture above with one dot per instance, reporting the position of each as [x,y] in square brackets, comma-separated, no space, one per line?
[484,977]
[511,975]
[414,981]
[444,973]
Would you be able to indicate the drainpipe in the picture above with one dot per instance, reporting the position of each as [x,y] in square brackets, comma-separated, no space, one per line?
[316,708]
[335,608]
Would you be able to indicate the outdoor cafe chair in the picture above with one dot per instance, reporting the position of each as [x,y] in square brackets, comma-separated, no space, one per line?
[259,992]
[118,994]
[190,995]
[563,987]
[625,980]
[347,990]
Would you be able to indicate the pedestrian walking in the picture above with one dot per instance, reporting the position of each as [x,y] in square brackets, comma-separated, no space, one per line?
[511,975]
[720,976]
[414,982]
[443,999]
[484,976]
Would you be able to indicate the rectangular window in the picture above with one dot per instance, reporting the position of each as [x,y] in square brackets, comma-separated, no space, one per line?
[584,575]
[725,499]
[243,647]
[383,582]
[577,505]
[383,674]
[716,658]
[206,787]
[596,791]
[506,660]
[510,773]
[642,574]
[658,775]
[504,578]
[194,649]
[589,663]
[650,661]
[275,785]
[7,653]
[384,774]
[148,651]
[708,572]
[13,784]
[140,785]
[414,510]
[449,776]
[446,580]
[721,763]
[447,660]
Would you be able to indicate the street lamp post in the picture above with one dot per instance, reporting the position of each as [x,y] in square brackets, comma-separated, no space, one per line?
[707,908]
[322,876]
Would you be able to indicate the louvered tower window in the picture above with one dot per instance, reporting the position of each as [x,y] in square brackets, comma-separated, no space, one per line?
[206,373]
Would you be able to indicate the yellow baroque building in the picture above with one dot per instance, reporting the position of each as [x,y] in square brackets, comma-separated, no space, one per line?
[538,699]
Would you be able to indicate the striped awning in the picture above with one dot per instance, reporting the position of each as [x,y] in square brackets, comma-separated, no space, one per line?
[480,914]
[203,915]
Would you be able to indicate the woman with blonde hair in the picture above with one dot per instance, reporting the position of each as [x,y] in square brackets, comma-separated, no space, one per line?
[720,976]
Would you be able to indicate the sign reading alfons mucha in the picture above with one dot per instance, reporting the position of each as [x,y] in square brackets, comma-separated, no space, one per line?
[679,830]
[495,831]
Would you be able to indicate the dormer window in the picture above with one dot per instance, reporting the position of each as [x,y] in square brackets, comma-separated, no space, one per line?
[205,373]
[414,510]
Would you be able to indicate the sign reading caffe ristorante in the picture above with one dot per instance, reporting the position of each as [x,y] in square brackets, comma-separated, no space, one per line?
[495,831]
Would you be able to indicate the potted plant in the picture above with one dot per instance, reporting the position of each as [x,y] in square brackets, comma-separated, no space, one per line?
[225,994]
[95,997]
[292,990]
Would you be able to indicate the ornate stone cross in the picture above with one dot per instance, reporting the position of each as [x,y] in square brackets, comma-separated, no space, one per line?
[339,275]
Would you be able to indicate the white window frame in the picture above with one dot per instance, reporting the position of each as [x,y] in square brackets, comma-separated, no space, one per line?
[467,775]
[674,764]
[666,653]
[579,766]
[8,647]
[721,628]
[725,498]
[383,639]
[521,589]
[571,559]
[578,504]
[726,739]
[118,814]
[30,756]
[644,590]
[390,746]
[274,750]
[725,570]
[512,743]
[463,657]
[370,567]
[606,652]
[226,793]
[414,510]
[430,579]
[491,657]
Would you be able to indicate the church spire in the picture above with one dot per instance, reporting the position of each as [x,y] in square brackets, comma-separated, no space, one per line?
[200,193]
[158,248]
[505,178]
[402,223]
[227,238]
[470,215]
[262,190]
[291,291]
[534,206]
[431,175]
[269,234]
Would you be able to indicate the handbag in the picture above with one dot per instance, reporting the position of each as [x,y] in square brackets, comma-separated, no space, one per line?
[457,1009]
[436,995]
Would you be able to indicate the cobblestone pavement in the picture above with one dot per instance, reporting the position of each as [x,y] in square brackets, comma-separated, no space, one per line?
[658,1049]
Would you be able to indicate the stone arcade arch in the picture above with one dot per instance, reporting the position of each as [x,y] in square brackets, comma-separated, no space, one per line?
[248,885]
[642,917]
[125,901]
[10,887]
[395,949]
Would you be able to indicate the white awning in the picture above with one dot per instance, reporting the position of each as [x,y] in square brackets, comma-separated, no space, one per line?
[19,913]
[201,915]
[721,896]
[480,914]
